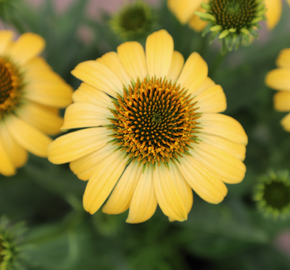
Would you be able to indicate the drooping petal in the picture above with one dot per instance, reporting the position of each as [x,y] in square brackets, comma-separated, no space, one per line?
[228,168]
[77,144]
[273,13]
[27,136]
[279,79]
[120,199]
[7,168]
[223,126]
[283,60]
[285,122]
[86,166]
[5,40]
[202,181]
[176,66]
[195,22]
[193,73]
[99,76]
[159,50]
[143,204]
[40,118]
[89,94]
[212,100]
[80,115]
[112,61]
[16,153]
[26,47]
[168,197]
[282,101]
[133,59]
[103,181]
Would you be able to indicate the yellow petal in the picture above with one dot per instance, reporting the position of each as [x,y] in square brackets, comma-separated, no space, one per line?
[195,22]
[6,166]
[202,181]
[112,61]
[235,149]
[212,100]
[168,197]
[50,94]
[5,40]
[225,166]
[273,13]
[184,9]
[36,64]
[283,60]
[103,181]
[77,144]
[133,59]
[40,118]
[193,73]
[285,122]
[89,94]
[143,204]
[176,66]
[28,137]
[26,47]
[100,76]
[120,199]
[16,153]
[86,166]
[183,189]
[159,50]
[206,84]
[223,126]
[282,101]
[80,115]
[279,79]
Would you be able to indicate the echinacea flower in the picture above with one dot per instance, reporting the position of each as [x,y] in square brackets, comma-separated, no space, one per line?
[274,11]
[184,10]
[152,132]
[233,21]
[30,95]
[279,79]
[273,194]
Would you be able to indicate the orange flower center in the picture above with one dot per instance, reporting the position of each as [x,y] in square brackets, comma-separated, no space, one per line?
[10,85]
[154,121]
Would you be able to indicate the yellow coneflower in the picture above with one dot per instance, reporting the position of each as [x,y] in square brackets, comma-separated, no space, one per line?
[279,79]
[30,95]
[152,133]
[184,10]
[274,11]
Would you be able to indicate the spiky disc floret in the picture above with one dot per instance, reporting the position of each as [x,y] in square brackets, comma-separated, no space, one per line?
[273,194]
[233,20]
[134,21]
[11,83]
[154,121]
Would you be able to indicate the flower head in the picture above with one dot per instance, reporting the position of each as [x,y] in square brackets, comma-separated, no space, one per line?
[279,79]
[11,251]
[30,95]
[134,21]
[273,194]
[184,10]
[152,133]
[233,20]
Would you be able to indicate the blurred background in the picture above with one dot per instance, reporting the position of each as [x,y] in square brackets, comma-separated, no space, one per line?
[60,235]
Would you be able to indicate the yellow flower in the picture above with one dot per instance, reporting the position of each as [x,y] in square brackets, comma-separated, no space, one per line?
[30,95]
[152,133]
[279,79]
[274,11]
[184,10]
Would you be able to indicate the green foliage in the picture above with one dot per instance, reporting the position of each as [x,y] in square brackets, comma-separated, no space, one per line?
[231,235]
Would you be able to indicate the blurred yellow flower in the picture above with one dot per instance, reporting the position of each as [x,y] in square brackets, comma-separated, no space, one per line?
[184,10]
[279,79]
[153,132]
[30,93]
[274,11]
